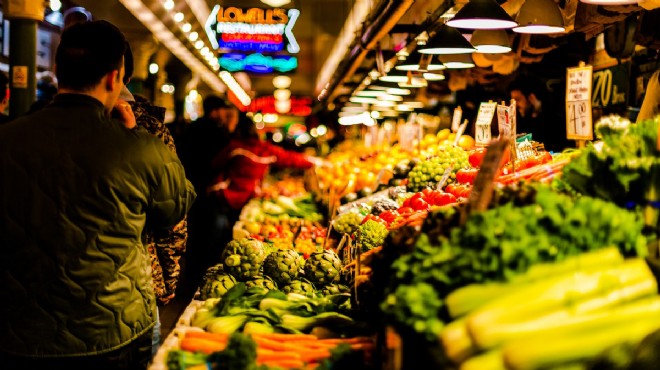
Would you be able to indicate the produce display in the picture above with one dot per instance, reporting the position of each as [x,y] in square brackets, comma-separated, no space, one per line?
[402,273]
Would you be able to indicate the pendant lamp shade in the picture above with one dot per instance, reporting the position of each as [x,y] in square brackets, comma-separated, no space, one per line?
[396,76]
[391,88]
[482,15]
[491,41]
[447,40]
[540,17]
[413,64]
[457,61]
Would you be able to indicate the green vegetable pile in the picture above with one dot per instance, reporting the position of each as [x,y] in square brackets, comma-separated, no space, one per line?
[623,170]
[371,234]
[257,309]
[503,242]
[347,223]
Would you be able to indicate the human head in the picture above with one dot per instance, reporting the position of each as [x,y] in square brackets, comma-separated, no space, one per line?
[91,55]
[220,111]
[528,92]
[245,128]
[4,91]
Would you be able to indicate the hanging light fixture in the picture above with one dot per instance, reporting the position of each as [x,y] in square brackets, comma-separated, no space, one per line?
[447,40]
[457,61]
[482,15]
[540,17]
[390,88]
[428,76]
[491,41]
[418,61]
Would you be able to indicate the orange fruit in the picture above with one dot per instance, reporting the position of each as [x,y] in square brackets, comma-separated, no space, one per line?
[443,134]
[466,142]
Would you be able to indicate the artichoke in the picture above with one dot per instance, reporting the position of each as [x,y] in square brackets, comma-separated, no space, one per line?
[243,258]
[300,286]
[283,266]
[217,286]
[322,267]
[332,289]
[261,281]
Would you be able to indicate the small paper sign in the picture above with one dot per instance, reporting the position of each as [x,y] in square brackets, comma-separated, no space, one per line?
[579,124]
[444,178]
[456,120]
[482,189]
[459,133]
[484,120]
[506,121]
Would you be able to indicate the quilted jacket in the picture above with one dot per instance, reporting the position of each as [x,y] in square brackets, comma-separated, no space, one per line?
[76,192]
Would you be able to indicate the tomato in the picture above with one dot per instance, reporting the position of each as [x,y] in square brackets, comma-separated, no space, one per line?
[419,204]
[466,175]
[446,198]
[389,216]
[405,210]
[476,156]
[373,218]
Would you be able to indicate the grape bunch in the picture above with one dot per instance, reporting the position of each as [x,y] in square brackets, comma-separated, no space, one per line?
[347,223]
[429,172]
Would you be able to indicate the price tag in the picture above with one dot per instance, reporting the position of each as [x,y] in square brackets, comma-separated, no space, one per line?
[482,189]
[579,124]
[459,133]
[505,121]
[445,177]
[456,120]
[484,120]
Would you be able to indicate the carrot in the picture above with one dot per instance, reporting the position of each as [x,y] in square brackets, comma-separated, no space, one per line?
[313,345]
[216,337]
[286,364]
[275,345]
[287,337]
[315,355]
[201,345]
[354,340]
[269,355]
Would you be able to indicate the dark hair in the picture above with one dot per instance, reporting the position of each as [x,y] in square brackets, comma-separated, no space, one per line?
[212,102]
[87,52]
[529,84]
[245,129]
[4,85]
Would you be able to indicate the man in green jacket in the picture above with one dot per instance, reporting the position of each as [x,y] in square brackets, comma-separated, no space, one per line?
[77,189]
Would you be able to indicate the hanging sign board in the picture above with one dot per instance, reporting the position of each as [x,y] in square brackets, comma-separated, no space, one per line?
[484,120]
[253,29]
[258,63]
[578,103]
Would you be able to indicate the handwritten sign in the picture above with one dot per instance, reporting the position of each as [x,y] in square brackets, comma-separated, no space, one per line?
[484,120]
[482,189]
[611,85]
[456,119]
[506,120]
[578,103]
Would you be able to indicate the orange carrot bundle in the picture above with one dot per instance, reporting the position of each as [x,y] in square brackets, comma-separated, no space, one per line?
[201,345]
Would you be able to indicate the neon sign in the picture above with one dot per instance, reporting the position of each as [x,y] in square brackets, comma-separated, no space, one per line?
[254,29]
[300,106]
[258,63]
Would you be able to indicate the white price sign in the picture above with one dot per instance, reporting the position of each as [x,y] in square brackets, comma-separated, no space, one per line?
[578,103]
[456,120]
[484,120]
[506,121]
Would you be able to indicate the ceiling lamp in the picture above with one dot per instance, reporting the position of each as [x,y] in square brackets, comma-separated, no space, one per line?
[362,100]
[540,16]
[414,104]
[414,82]
[420,62]
[482,14]
[433,76]
[606,2]
[275,3]
[491,41]
[370,93]
[390,97]
[458,61]
[447,40]
[389,88]
[396,76]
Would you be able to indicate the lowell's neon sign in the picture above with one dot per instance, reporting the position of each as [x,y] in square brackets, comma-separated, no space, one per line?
[254,29]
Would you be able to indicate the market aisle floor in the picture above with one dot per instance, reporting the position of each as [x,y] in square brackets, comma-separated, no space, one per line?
[169,314]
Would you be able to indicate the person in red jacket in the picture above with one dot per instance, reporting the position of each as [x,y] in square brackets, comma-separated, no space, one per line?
[240,169]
